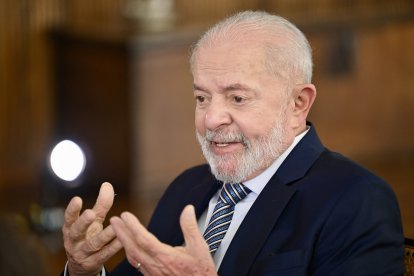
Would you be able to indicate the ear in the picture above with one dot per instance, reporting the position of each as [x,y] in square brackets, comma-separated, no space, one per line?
[304,96]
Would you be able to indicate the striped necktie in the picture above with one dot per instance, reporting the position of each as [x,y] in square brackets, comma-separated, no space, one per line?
[230,195]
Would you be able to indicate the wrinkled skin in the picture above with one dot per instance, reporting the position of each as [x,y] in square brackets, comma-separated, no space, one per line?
[157,258]
[88,245]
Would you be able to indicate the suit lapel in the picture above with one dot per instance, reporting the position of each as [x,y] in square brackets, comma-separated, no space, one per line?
[248,240]
[200,197]
[253,232]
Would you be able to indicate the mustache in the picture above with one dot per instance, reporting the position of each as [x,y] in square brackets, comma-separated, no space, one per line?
[220,136]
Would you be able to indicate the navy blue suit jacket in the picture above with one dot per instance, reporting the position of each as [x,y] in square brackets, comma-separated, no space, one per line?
[320,214]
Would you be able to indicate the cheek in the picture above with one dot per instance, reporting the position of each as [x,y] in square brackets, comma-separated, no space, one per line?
[199,122]
[257,124]
[254,129]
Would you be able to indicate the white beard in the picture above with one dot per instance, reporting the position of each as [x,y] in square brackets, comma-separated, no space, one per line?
[257,155]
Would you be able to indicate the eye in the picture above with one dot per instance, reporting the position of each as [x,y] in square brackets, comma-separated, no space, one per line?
[200,99]
[238,99]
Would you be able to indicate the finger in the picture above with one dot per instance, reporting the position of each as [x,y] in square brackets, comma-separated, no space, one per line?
[104,201]
[93,262]
[142,236]
[72,211]
[121,231]
[109,250]
[195,244]
[98,241]
[95,228]
[80,226]
[189,226]
[134,253]
[153,254]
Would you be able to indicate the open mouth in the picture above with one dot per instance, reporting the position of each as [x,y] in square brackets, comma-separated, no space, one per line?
[221,144]
[226,147]
[225,144]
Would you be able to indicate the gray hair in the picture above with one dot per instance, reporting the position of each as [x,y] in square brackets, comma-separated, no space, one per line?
[291,59]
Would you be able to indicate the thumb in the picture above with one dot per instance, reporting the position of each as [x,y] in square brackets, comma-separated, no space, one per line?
[188,222]
[104,201]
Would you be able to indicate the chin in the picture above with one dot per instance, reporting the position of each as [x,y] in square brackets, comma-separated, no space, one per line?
[230,173]
[224,173]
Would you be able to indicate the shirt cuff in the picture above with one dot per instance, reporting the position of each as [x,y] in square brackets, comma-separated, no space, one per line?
[65,272]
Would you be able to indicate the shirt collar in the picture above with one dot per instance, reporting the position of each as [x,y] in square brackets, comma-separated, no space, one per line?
[257,184]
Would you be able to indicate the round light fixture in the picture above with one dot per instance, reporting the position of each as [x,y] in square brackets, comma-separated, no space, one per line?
[67,160]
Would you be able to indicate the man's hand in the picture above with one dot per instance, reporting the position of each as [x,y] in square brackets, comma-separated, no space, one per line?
[88,246]
[157,258]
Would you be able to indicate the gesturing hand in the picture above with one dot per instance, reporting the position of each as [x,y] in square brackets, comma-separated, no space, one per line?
[87,244]
[157,258]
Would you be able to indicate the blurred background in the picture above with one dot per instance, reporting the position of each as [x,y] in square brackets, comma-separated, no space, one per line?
[113,77]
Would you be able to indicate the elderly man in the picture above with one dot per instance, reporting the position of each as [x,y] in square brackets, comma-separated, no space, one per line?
[272,199]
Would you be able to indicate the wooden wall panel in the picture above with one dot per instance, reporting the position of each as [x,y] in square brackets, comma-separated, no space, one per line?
[25,90]
[26,74]
[366,112]
[199,11]
[95,14]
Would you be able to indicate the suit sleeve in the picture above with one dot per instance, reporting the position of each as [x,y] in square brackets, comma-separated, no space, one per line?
[363,233]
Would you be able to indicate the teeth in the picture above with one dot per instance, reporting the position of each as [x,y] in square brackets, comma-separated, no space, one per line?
[221,144]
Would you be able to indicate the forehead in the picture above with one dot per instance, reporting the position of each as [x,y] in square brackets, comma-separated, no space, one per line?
[231,56]
[227,66]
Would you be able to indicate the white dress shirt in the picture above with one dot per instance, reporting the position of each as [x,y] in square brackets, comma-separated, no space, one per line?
[256,185]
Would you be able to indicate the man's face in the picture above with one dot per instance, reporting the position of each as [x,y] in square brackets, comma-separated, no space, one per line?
[242,115]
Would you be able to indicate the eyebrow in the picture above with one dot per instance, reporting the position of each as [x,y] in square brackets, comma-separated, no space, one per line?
[229,88]
[197,87]
[238,86]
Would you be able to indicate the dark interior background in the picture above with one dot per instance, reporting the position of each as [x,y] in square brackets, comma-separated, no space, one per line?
[100,74]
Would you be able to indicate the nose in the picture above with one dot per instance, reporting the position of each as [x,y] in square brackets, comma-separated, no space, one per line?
[217,115]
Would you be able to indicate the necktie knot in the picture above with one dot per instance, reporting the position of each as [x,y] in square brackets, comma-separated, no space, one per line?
[231,194]
[220,220]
